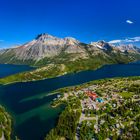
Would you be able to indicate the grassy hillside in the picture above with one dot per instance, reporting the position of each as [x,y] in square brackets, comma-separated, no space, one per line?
[62,65]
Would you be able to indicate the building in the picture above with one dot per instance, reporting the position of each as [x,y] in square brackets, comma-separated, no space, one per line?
[92,95]
[99,100]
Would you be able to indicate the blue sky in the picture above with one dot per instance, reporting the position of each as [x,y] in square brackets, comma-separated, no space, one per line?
[86,20]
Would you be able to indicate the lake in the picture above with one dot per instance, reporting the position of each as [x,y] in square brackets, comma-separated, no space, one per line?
[29,104]
[6,69]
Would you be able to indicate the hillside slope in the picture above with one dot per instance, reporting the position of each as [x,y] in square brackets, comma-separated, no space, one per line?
[58,56]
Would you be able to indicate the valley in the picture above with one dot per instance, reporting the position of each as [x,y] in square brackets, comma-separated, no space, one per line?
[53,57]
[69,70]
[31,102]
[35,76]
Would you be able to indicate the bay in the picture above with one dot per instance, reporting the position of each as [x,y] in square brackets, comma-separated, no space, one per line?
[34,118]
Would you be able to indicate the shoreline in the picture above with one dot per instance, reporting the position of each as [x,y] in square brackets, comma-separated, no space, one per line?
[52,77]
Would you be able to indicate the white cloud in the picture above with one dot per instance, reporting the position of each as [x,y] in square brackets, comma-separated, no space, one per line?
[127,40]
[134,39]
[114,41]
[129,21]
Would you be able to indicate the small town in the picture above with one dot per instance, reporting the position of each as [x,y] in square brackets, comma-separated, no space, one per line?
[108,109]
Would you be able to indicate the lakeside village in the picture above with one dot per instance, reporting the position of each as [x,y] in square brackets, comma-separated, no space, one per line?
[92,101]
[109,109]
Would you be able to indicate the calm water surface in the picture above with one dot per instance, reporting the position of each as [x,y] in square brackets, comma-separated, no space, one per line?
[6,69]
[29,104]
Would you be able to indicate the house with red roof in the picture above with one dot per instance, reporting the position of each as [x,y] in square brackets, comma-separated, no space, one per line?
[92,95]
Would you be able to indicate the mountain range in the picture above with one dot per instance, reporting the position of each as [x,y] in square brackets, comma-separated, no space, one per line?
[55,56]
[46,48]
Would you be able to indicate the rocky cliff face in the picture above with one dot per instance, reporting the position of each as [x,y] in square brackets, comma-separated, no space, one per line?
[102,45]
[45,46]
[129,48]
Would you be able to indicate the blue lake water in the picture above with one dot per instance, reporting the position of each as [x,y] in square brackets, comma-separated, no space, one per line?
[6,69]
[29,104]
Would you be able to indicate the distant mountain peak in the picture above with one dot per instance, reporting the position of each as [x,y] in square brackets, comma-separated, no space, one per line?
[101,41]
[44,36]
[129,47]
[102,45]
[71,41]
[70,38]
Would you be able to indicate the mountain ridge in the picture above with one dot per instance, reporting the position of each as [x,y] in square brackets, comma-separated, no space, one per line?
[48,46]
